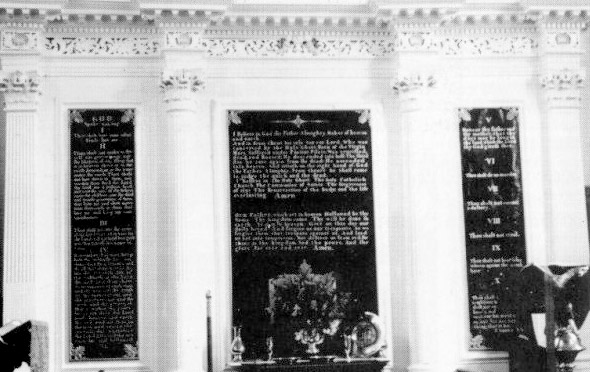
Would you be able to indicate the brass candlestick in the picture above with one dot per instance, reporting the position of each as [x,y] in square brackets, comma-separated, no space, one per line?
[567,344]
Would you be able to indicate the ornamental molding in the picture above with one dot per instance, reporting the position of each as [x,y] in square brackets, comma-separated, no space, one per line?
[299,47]
[372,34]
[19,82]
[561,41]
[67,29]
[411,83]
[273,32]
[467,44]
[423,41]
[563,80]
[182,80]
[292,46]
[489,45]
[19,41]
[322,13]
[192,40]
[101,46]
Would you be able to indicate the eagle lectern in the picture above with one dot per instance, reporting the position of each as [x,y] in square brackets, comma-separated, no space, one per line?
[551,303]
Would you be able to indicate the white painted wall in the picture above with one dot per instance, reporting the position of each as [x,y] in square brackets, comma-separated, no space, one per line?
[407,227]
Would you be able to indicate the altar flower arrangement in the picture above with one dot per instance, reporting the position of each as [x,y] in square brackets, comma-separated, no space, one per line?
[311,302]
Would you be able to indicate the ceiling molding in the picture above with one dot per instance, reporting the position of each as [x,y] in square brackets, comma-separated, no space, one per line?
[293,12]
[275,28]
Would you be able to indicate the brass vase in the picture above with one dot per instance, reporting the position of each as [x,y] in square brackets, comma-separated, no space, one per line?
[567,347]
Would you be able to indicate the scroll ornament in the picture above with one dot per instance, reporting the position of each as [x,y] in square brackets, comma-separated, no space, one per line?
[181,80]
[563,80]
[409,83]
[19,82]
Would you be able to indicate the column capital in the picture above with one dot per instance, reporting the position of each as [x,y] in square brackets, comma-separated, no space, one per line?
[412,82]
[21,90]
[413,88]
[181,86]
[562,88]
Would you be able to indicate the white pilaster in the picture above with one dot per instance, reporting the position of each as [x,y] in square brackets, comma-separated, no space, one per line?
[426,170]
[21,92]
[561,80]
[190,230]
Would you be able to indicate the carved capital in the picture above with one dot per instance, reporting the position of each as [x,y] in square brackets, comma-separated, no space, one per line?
[563,88]
[563,80]
[19,82]
[180,88]
[185,80]
[412,83]
[21,89]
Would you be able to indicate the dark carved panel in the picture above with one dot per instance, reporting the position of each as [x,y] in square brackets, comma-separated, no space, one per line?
[103,235]
[494,220]
[301,190]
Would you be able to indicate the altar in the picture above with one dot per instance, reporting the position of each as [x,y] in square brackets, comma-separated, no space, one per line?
[360,365]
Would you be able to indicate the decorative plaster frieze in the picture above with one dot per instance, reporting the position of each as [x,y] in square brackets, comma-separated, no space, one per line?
[274,42]
[182,80]
[488,45]
[299,47]
[19,82]
[563,80]
[413,82]
[19,41]
[294,46]
[482,41]
[102,46]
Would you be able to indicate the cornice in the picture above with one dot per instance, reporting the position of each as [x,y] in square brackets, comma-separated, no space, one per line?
[99,28]
[251,13]
[236,28]
[270,32]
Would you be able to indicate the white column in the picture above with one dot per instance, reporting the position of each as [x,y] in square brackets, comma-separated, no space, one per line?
[561,80]
[190,229]
[426,171]
[21,92]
